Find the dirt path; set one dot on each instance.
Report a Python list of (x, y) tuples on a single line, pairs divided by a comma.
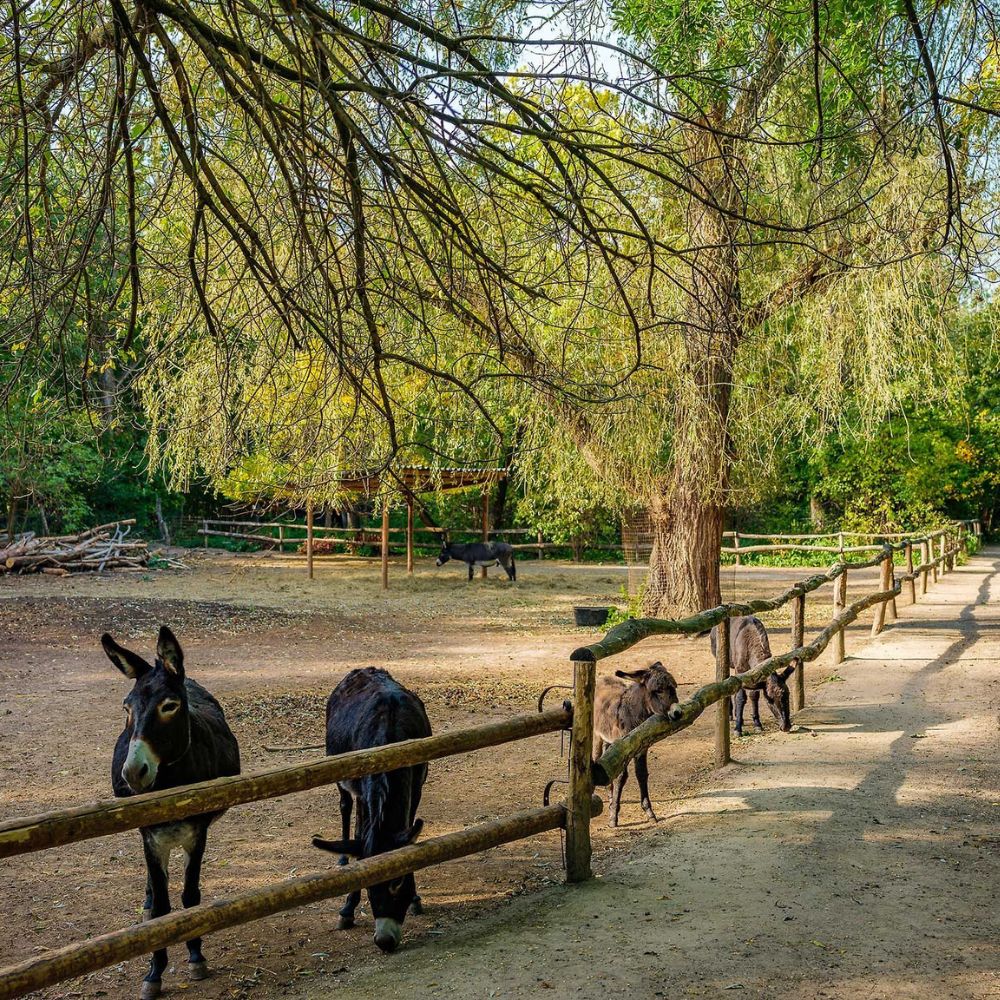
[(857, 859)]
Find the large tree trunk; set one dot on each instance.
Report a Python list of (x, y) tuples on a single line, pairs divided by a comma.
[(684, 564), (687, 507)]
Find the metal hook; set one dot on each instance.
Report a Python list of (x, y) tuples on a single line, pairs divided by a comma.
[(552, 687), (548, 788)]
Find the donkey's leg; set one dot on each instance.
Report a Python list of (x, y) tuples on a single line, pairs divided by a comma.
[(755, 708), (346, 805), (156, 866), (642, 776), (147, 906), (197, 967), (513, 569), (472, 567), (739, 701), (351, 903), (616, 797)]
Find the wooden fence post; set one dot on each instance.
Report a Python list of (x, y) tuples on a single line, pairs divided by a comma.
[(891, 611), (281, 538), (486, 525), (722, 756), (538, 540), (909, 569), (798, 638), (885, 568), (204, 525), (925, 557), (839, 603), (309, 537), (932, 557), (736, 545), (409, 535), (581, 782), (385, 545)]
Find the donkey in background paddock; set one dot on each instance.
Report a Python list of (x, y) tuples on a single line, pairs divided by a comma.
[(749, 647), (618, 709), (480, 554), (175, 734), (369, 708)]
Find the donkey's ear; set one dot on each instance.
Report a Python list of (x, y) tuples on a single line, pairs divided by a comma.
[(132, 665), (409, 835), (633, 675), (352, 848), (787, 672), (169, 651)]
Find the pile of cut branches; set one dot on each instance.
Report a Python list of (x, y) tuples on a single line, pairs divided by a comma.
[(97, 549)]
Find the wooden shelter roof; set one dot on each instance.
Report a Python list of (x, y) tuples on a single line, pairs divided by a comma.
[(422, 479)]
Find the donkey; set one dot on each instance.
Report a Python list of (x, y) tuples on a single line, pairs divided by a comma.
[(618, 709), (748, 648), (480, 554), (369, 708), (175, 734)]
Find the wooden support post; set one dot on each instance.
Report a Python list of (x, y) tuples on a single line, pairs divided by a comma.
[(486, 525), (839, 603), (943, 548), (885, 569), (925, 558), (736, 545), (281, 538), (722, 756), (798, 638), (385, 545), (204, 525), (309, 537), (909, 569), (891, 611), (840, 544), (538, 540), (409, 536), (581, 782)]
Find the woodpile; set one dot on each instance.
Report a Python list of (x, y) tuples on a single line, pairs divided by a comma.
[(105, 547)]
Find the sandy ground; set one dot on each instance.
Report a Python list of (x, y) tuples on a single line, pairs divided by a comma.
[(855, 859), (271, 644)]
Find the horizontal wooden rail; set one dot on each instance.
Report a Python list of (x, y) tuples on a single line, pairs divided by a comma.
[(66, 826), (628, 633), (197, 921), (745, 550), (657, 728)]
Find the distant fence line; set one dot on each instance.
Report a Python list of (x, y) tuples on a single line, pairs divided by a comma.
[(937, 552)]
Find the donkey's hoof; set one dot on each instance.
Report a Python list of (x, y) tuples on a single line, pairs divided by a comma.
[(343, 860), (147, 914), (345, 923), (151, 989), (198, 970)]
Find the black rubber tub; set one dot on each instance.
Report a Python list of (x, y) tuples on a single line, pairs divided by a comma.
[(593, 617)]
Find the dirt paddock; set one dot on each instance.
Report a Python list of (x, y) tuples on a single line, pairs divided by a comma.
[(270, 644)]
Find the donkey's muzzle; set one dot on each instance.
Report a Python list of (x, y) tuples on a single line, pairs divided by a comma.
[(140, 767)]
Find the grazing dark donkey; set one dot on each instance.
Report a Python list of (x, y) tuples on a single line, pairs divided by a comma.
[(618, 709), (368, 708), (480, 554), (175, 734), (748, 648)]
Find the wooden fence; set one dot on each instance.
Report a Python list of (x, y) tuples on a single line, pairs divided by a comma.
[(937, 549), (65, 826)]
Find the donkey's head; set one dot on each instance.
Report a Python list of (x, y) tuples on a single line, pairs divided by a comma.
[(445, 553), (156, 709), (659, 689), (389, 900), (776, 696)]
